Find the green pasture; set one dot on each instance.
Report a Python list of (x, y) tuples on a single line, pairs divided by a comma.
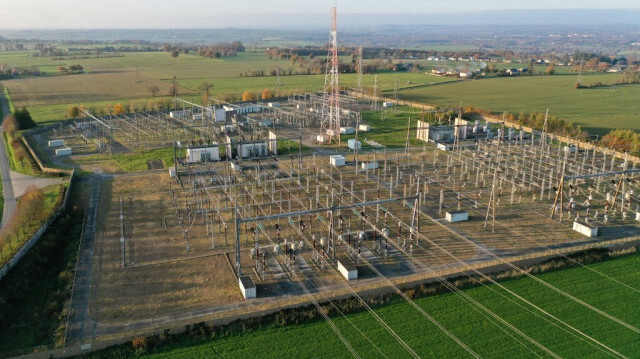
[(597, 109), (489, 340)]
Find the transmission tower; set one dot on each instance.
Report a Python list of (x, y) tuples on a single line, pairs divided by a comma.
[(375, 93), (331, 99), (360, 68)]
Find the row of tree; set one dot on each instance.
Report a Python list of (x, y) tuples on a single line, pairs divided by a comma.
[(73, 69), (623, 141), (17, 230), (253, 96), (217, 50), (120, 108)]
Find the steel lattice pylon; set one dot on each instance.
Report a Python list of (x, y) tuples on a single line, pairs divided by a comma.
[(331, 98)]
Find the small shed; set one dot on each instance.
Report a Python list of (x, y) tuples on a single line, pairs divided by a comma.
[(585, 229), (387, 104), (364, 128), (369, 165), (354, 144), (347, 130), (178, 114), (63, 151), (274, 104), (56, 143), (236, 166), (247, 287), (348, 270), (337, 160), (172, 172), (457, 216), (320, 138), (444, 147)]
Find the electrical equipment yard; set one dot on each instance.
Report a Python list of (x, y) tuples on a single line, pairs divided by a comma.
[(167, 244)]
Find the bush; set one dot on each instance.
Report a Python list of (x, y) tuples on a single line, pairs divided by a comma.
[(10, 125), (139, 342)]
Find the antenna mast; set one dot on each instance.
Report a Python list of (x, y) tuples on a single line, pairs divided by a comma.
[(331, 99)]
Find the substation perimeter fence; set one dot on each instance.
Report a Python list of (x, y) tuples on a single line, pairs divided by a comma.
[(253, 311), (43, 167)]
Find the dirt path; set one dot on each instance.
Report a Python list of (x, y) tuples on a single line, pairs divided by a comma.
[(81, 325)]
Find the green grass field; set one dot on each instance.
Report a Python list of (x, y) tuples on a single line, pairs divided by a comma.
[(388, 127), (598, 109), (316, 340), (125, 79)]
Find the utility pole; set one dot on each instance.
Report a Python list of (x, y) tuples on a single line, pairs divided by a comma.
[(395, 90)]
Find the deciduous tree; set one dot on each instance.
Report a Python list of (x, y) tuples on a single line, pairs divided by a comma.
[(248, 96), (154, 90), (118, 109), (74, 112), (550, 70), (266, 94)]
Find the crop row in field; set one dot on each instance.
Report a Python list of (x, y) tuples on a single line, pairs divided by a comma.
[(316, 340)]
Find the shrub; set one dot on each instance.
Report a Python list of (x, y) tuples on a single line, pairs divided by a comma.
[(10, 125), (139, 342)]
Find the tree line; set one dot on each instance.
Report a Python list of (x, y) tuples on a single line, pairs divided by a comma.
[(216, 50), (30, 212)]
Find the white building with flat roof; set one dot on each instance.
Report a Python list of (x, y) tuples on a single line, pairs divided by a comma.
[(206, 153)]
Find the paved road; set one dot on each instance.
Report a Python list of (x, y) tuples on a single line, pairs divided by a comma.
[(7, 187)]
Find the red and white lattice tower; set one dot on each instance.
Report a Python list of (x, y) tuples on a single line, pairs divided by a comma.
[(331, 98)]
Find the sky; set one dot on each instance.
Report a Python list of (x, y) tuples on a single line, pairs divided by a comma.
[(133, 14)]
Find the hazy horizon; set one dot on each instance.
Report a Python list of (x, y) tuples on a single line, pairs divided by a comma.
[(291, 14)]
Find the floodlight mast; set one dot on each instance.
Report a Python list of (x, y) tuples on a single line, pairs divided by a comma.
[(330, 123)]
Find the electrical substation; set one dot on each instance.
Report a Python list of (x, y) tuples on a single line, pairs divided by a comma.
[(262, 207)]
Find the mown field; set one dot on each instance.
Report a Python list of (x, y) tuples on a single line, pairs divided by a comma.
[(85, 88), (388, 127), (597, 109), (317, 340)]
